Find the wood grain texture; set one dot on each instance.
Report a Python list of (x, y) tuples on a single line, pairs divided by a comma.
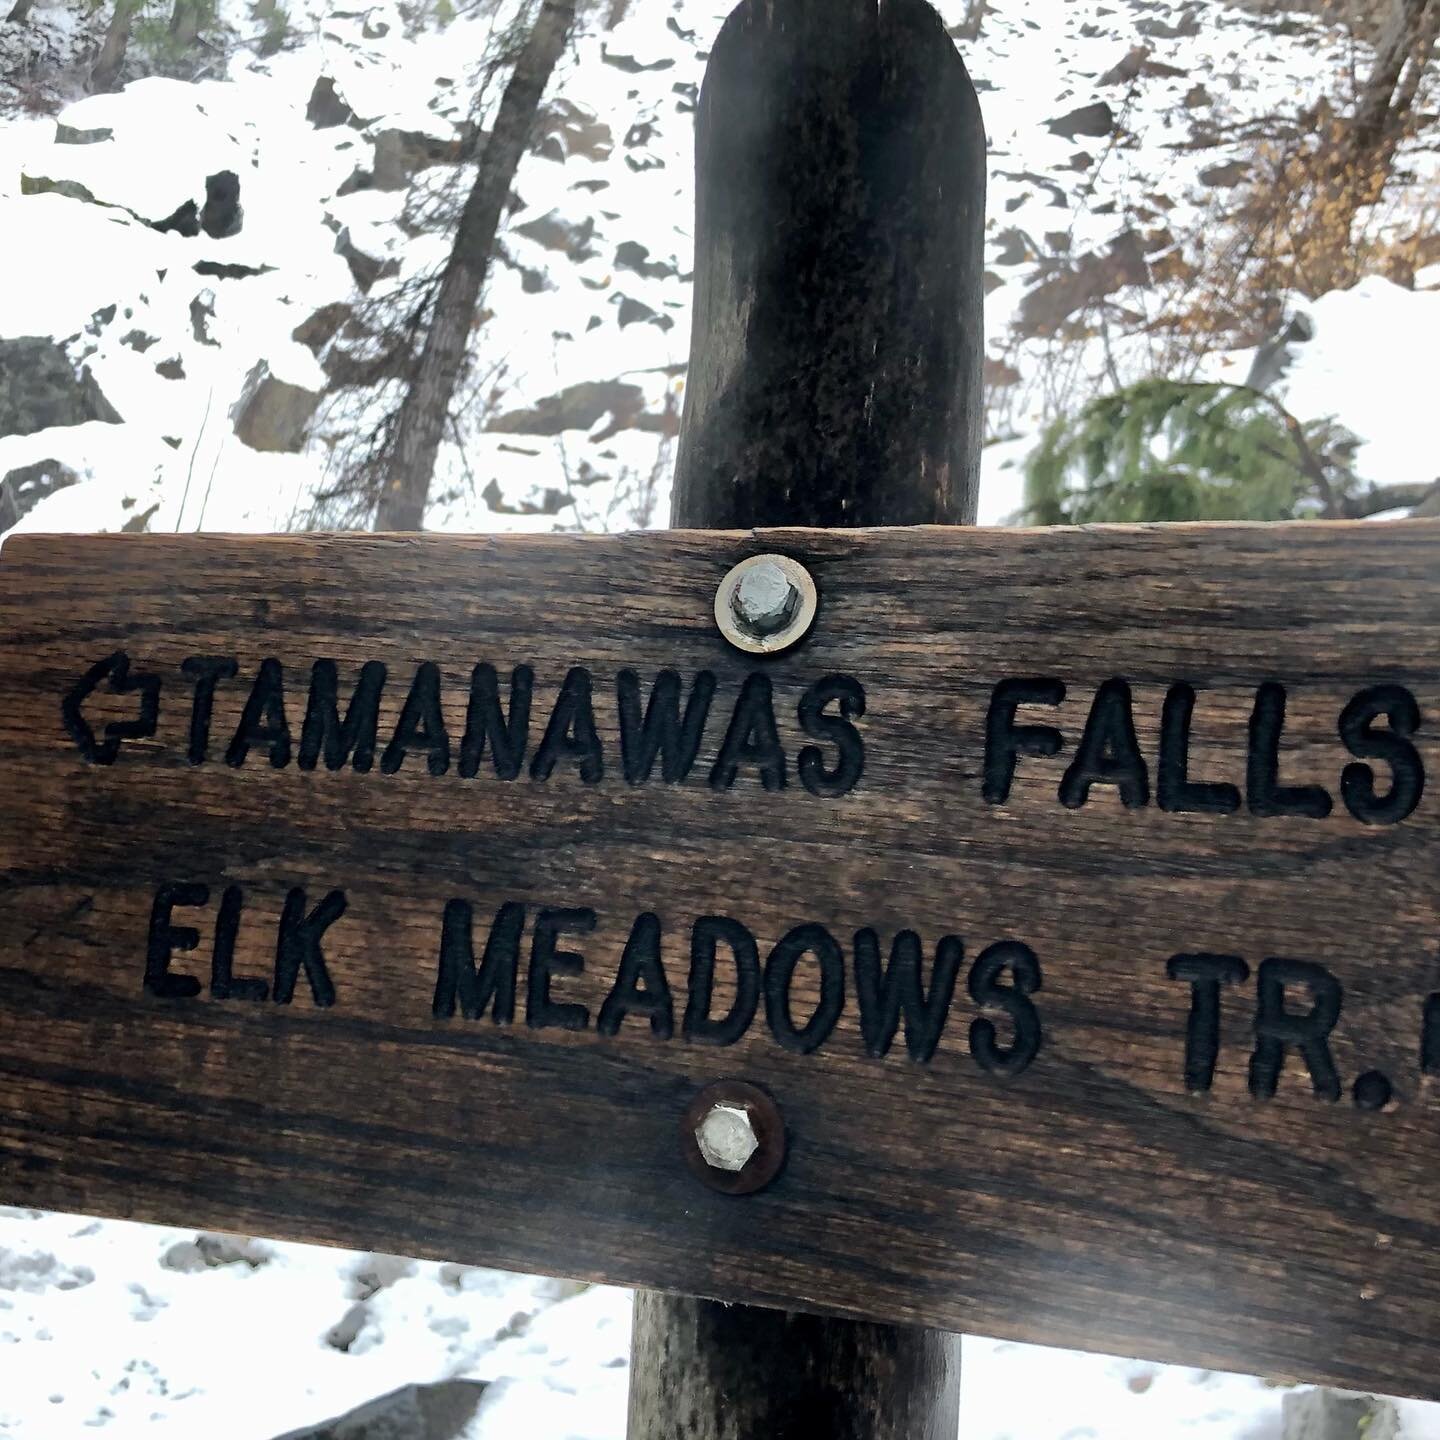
[(697, 1363), (836, 355), (837, 346), (1090, 1199)]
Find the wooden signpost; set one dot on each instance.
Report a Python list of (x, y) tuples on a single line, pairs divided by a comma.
[(407, 892), (1034, 933)]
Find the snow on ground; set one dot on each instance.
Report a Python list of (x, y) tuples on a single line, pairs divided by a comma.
[(1386, 399), (138, 1331)]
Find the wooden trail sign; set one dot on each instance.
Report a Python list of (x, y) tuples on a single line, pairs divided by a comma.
[(1073, 894)]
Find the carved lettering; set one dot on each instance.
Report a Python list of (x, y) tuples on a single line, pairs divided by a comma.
[(1013, 1001), (1206, 975), (299, 947), (262, 723), (1278, 1028), (848, 697), (351, 740), (1006, 742), (571, 733), (492, 987), (115, 669), (884, 996), (641, 987), (707, 935), (752, 738), (547, 961)]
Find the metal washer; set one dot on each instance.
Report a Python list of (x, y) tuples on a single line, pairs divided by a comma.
[(793, 632)]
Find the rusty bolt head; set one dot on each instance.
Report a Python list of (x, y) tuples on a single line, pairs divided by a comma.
[(733, 1137)]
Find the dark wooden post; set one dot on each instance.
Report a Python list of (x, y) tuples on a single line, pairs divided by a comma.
[(834, 380), (836, 358)]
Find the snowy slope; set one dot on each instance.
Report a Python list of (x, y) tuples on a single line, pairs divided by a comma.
[(596, 292), (128, 1331)]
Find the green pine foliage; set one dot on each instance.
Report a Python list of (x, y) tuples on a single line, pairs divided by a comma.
[(1165, 450)]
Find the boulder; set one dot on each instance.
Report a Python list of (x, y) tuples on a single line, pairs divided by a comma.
[(565, 129), (577, 407), (1095, 120), (570, 238), (1274, 358), (40, 388), (220, 217), (73, 135), (1226, 176), (183, 220), (202, 312), (273, 414), (1186, 28), (321, 328), (636, 312), (630, 65), (1072, 287), (1337, 1415), (400, 155), (365, 269), (212, 1252), (444, 1411), (1140, 64), (631, 255), (44, 185), (218, 270), (23, 489), (1015, 247), (222, 214), (548, 501), (328, 107)]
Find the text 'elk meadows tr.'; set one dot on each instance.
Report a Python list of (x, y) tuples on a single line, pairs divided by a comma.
[(1058, 962)]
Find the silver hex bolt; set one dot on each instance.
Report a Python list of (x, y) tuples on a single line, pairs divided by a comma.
[(765, 600), (727, 1138), (732, 1136), (766, 604)]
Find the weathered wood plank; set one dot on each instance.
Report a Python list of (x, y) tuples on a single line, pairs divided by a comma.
[(1090, 1197)]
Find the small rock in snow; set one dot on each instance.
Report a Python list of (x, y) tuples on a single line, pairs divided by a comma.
[(415, 1412), (39, 388), (272, 414), (1095, 120), (23, 489)]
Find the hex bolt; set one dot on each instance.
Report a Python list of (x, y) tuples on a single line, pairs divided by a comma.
[(733, 1137), (766, 604), (726, 1138), (765, 601)]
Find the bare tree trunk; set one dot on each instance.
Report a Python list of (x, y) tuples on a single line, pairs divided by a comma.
[(18, 12), (185, 22), (111, 59), (1403, 52), (974, 22), (421, 422), (1427, 38)]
